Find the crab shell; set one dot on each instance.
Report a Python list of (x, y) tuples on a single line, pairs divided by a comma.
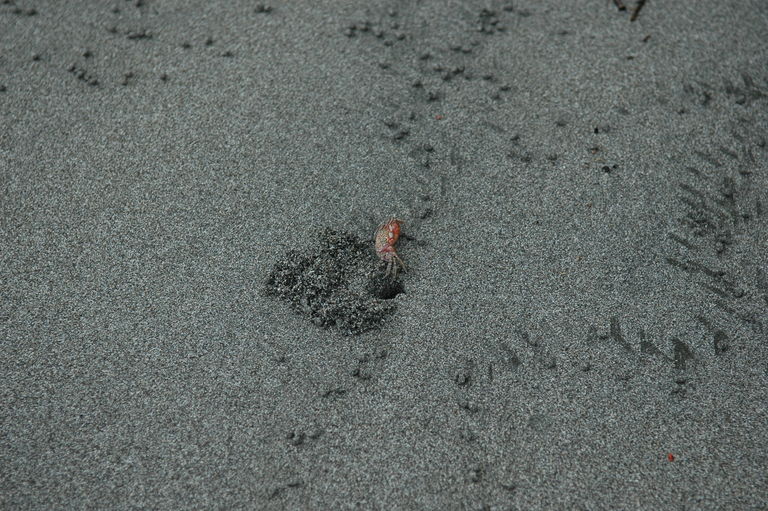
[(384, 240)]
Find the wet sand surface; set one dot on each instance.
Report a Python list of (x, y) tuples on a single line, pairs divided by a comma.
[(192, 314)]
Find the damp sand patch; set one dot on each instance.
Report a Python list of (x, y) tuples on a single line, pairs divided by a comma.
[(336, 283)]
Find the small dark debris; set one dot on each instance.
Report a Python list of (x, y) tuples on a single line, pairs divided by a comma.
[(36, 57), (209, 41), (164, 77), (265, 9), (361, 373), (476, 474), (720, 342), (186, 45), (3, 88), (462, 378), (451, 73), (638, 8), (488, 22), (23, 12), (523, 157), (83, 75), (337, 392), (295, 438), (228, 54), (136, 35), (679, 391), (682, 354)]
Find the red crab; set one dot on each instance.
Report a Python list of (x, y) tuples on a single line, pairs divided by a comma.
[(384, 240)]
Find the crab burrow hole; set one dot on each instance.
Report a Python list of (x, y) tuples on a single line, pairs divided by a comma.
[(384, 287)]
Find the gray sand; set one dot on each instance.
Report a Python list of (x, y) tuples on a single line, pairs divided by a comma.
[(585, 202)]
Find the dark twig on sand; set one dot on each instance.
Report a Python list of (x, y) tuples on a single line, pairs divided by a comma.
[(620, 5), (636, 12)]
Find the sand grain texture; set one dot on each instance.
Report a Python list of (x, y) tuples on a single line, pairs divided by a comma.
[(585, 202)]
